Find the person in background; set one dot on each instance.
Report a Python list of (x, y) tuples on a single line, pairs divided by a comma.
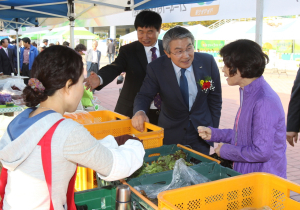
[(13, 47), (6, 58), (92, 58), (51, 44), (57, 86), (66, 44), (185, 105), (293, 116), (57, 43), (133, 59), (81, 49), (45, 43), (257, 142), (34, 44), (27, 56), (110, 51)]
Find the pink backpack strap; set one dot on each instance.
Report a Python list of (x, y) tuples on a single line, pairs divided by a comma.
[(3, 182)]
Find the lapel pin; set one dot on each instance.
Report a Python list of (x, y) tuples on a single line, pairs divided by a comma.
[(200, 67)]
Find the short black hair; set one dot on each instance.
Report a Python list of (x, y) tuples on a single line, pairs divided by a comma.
[(66, 44), (45, 40), (13, 42), (148, 18), (80, 48), (2, 41), (26, 40), (246, 56)]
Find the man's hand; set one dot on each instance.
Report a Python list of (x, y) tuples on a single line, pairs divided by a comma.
[(138, 120), (292, 137), (92, 81), (204, 132), (218, 149)]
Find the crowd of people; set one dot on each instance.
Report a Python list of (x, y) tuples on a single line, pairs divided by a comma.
[(167, 83)]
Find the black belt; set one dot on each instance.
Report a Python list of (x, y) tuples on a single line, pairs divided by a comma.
[(94, 63), (25, 63)]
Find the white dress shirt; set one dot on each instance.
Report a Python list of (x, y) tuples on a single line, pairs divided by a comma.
[(95, 57), (189, 73), (5, 50)]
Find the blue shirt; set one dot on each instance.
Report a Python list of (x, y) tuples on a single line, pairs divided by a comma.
[(189, 73)]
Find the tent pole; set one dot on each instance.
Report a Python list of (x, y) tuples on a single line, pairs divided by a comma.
[(259, 21), (18, 56), (72, 21)]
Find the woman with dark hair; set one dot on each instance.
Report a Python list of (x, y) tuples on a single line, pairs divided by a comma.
[(257, 141), (81, 49), (41, 150)]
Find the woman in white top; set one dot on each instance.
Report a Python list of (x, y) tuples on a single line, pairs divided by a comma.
[(57, 85)]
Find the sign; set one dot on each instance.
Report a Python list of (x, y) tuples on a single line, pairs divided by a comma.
[(214, 45), (216, 10)]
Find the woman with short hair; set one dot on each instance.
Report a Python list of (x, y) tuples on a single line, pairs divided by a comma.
[(257, 143)]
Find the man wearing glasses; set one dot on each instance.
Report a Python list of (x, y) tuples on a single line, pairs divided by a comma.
[(187, 102)]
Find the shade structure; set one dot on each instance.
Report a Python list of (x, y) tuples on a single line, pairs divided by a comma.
[(289, 31), (132, 36), (64, 33), (35, 35)]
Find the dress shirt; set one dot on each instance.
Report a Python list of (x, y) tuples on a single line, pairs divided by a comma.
[(5, 50), (189, 73), (26, 55), (95, 57)]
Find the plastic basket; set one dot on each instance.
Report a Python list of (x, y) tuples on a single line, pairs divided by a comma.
[(252, 190), (152, 136), (95, 116), (212, 171), (100, 198)]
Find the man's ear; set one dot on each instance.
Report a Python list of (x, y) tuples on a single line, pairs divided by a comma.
[(169, 56)]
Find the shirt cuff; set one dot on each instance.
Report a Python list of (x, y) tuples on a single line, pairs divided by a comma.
[(101, 80), (140, 111)]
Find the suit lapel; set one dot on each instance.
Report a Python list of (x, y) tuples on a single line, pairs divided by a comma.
[(172, 80), (141, 55), (199, 73), (161, 48), (3, 52)]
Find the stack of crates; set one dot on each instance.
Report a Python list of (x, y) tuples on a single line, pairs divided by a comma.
[(106, 123)]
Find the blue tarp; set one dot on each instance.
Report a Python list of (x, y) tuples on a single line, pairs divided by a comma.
[(14, 14)]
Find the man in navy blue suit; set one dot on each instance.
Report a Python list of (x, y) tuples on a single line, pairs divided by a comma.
[(190, 89)]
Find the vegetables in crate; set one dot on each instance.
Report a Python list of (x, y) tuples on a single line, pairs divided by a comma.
[(164, 163)]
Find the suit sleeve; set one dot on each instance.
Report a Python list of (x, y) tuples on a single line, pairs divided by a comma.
[(147, 92), (1, 68), (15, 58), (293, 116), (215, 97), (109, 72)]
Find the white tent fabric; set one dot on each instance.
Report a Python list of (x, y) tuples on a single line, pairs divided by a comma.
[(132, 36)]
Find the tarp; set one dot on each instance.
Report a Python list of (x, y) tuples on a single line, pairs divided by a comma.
[(64, 33)]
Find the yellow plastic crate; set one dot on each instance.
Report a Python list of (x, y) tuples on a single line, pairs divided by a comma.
[(95, 117), (251, 190), (152, 137)]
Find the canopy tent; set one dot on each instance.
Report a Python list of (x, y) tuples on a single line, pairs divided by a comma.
[(289, 31), (132, 36), (63, 33), (35, 35)]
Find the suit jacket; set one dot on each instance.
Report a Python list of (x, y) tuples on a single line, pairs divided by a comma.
[(111, 48), (132, 59), (33, 53), (293, 116), (14, 48), (175, 115), (89, 58), (6, 63)]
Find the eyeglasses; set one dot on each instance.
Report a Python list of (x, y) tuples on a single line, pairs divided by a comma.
[(179, 53)]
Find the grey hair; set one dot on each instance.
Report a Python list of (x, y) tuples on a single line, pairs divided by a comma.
[(177, 32)]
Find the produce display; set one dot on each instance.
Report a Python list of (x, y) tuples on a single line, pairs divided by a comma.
[(164, 163)]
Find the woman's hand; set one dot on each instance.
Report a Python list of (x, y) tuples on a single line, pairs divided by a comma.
[(292, 137), (218, 149), (204, 132)]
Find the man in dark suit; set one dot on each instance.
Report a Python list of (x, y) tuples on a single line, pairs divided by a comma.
[(6, 58), (133, 59), (186, 101), (293, 116)]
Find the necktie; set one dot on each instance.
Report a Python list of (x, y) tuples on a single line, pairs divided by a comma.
[(157, 98), (184, 88)]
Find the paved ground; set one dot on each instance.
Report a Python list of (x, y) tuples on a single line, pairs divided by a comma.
[(282, 85)]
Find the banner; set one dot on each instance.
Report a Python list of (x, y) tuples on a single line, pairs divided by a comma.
[(216, 10)]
